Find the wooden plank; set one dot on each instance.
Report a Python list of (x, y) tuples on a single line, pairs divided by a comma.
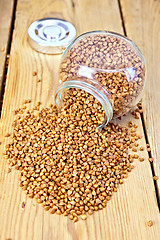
[(6, 12), (135, 202), (142, 20)]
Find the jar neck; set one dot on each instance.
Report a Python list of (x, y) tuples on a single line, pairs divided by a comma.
[(91, 86)]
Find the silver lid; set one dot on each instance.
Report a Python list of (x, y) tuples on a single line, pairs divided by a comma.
[(50, 35)]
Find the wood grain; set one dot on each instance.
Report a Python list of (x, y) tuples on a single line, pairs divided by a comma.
[(6, 12), (133, 205), (142, 22)]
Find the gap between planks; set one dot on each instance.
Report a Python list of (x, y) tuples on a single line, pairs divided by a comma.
[(142, 116), (6, 52)]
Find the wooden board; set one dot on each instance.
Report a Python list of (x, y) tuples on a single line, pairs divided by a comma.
[(6, 11), (133, 205), (142, 22)]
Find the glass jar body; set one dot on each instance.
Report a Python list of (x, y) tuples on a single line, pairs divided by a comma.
[(107, 65)]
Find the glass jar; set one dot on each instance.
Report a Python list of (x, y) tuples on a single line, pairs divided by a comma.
[(107, 65)]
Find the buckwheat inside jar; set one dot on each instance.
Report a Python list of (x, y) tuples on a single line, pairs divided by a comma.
[(110, 59)]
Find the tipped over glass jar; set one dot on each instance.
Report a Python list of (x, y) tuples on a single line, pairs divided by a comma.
[(107, 65)]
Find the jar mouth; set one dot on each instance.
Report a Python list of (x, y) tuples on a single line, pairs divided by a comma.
[(95, 89)]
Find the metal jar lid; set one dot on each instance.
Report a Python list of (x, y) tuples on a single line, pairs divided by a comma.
[(50, 35)]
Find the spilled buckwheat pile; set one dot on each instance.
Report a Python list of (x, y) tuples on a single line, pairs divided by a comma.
[(65, 162)]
